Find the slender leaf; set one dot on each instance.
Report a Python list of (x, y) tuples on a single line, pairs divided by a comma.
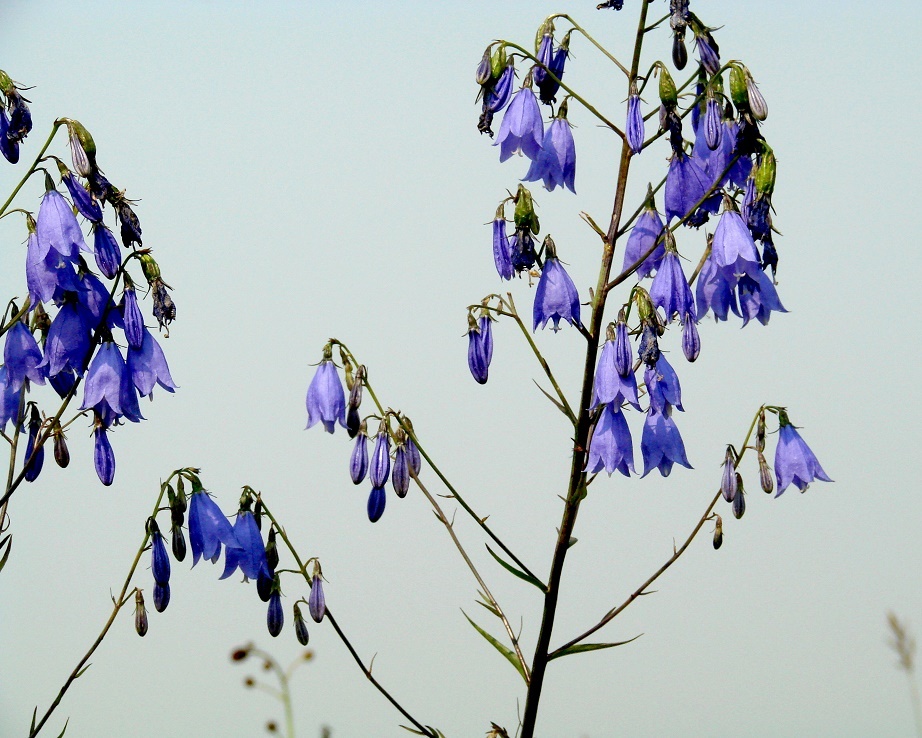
[(512, 570), (584, 647), (61, 734), (80, 673), (556, 403), (8, 542), (34, 714), (508, 653)]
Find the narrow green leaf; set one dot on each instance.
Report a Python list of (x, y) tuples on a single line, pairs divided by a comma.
[(80, 673), (61, 734), (519, 573), (34, 714), (583, 647), (556, 403), (8, 542), (508, 653), (414, 731)]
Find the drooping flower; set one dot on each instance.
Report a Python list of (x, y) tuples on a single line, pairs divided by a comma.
[(83, 200), (476, 352), (661, 444), (733, 249), (50, 275), (376, 502), (9, 399), (556, 162), (208, 528), (708, 51), (498, 96), (686, 185), (105, 379), (634, 128), (758, 297), (795, 463), (644, 235), (715, 292), (670, 290), (611, 447), (131, 316), (326, 398), (250, 558), (549, 86), (400, 475), (544, 55), (316, 602), (380, 467), (22, 356), (159, 559), (147, 366), (108, 256), (275, 615), (691, 341), (556, 297), (522, 250), (623, 359), (610, 387), (8, 147), (67, 345), (57, 227), (522, 129), (663, 386), (501, 250), (713, 127), (34, 456)]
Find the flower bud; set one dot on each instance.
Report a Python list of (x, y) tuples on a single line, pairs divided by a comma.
[(82, 148), (739, 501), (103, 456), (679, 52), (178, 543), (159, 560), (275, 616), (272, 550), (718, 533), (61, 453), (667, 89), (765, 173), (316, 601), (150, 267), (414, 459), (161, 596), (34, 457), (484, 71), (691, 341), (760, 432), (713, 127), (358, 461), (525, 216), (300, 627), (353, 422), (376, 501), (757, 104), (355, 392), (400, 477), (728, 487), (264, 587), (765, 475), (140, 614), (738, 92), (380, 466)]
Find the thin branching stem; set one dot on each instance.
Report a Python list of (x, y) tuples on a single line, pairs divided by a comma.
[(591, 40), (54, 129)]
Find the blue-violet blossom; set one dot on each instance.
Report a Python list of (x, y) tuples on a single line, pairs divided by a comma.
[(795, 463), (326, 398)]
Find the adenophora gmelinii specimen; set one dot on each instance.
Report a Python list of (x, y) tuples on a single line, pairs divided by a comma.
[(326, 398), (795, 462)]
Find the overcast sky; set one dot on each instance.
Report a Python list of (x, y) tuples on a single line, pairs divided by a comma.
[(308, 170)]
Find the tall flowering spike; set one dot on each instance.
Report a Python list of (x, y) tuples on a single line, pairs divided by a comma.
[(380, 467), (670, 290), (208, 528), (556, 162), (501, 249), (400, 476), (644, 235), (103, 456), (251, 557), (728, 485), (22, 356), (57, 226), (522, 129), (634, 128), (147, 366), (159, 559), (611, 447), (376, 502), (795, 463), (358, 462), (326, 398), (476, 352), (106, 248), (714, 291), (663, 386), (661, 444), (686, 185), (733, 249), (556, 297), (758, 298), (691, 341), (316, 601)]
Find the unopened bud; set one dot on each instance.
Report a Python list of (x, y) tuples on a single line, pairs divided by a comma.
[(150, 267), (679, 52), (738, 92), (272, 550), (498, 61), (140, 614), (757, 104), (161, 596), (668, 95), (240, 654), (760, 432), (316, 601), (728, 487), (525, 216), (765, 475), (61, 453), (484, 69), (178, 543), (766, 172), (739, 502), (275, 616), (300, 627), (718, 533)]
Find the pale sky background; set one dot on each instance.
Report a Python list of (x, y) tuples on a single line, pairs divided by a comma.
[(313, 169)]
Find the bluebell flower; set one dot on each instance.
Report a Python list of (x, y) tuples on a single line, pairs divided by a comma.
[(376, 502), (663, 386), (94, 297), (159, 559), (733, 249), (8, 147), (635, 124), (20, 116), (147, 366), (670, 290), (661, 444), (501, 251), (208, 528), (400, 475), (316, 602), (57, 227), (623, 359), (611, 447), (9, 399), (522, 250), (646, 231), (106, 248), (22, 356), (499, 94), (476, 352), (358, 461), (757, 105), (67, 345), (103, 456), (691, 341), (48, 276), (548, 87), (544, 55), (275, 615), (795, 463), (380, 466), (708, 52), (131, 316), (104, 380), (715, 291), (522, 129), (686, 185), (758, 297), (326, 398), (414, 458), (556, 297), (556, 162), (83, 200), (610, 386), (250, 558)]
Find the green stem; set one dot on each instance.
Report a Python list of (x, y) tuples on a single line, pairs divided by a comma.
[(591, 40)]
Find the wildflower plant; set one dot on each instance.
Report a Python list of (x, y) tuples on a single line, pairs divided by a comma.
[(700, 242)]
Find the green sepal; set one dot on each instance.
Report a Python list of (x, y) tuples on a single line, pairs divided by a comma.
[(510, 656), (765, 173), (517, 572), (6, 84), (525, 216), (498, 61), (668, 95), (738, 92), (584, 647), (76, 128)]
